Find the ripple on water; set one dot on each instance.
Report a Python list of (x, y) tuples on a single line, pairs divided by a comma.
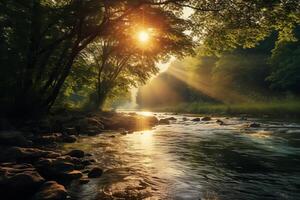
[(190, 160)]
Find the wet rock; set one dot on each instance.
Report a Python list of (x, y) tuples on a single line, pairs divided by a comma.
[(48, 138), (124, 132), (58, 165), (205, 118), (14, 138), (53, 155), (51, 190), (71, 131), (76, 153), (70, 159), (184, 119), (75, 174), (52, 166), (84, 180), (164, 121), (220, 122), (128, 122), (18, 181), (95, 172), (57, 169), (196, 119), (171, 118), (69, 139), (90, 125), (243, 118), (23, 154), (254, 125)]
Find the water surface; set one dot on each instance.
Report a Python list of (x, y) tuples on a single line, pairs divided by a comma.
[(196, 160)]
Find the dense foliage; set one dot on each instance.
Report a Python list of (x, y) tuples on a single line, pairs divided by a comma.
[(266, 72)]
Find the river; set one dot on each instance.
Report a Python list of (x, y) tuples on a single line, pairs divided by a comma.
[(195, 160)]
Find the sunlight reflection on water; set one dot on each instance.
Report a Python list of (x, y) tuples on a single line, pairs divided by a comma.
[(193, 160)]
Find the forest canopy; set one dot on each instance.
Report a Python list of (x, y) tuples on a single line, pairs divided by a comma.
[(50, 48)]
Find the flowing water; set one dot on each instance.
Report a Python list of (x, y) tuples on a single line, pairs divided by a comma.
[(196, 160)]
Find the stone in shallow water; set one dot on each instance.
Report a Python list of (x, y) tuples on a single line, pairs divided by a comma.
[(164, 121), (75, 174), (84, 180), (196, 119), (18, 181), (69, 139), (206, 119), (95, 172), (254, 125), (220, 122), (51, 190), (76, 153)]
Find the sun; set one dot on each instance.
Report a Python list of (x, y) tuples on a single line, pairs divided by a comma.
[(143, 36)]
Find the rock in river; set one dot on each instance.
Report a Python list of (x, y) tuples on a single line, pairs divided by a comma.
[(58, 169), (196, 119), (205, 118), (19, 181), (164, 121), (76, 153), (220, 122), (69, 138), (95, 172), (51, 190), (254, 125)]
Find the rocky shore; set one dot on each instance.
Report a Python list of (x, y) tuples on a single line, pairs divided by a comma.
[(32, 166)]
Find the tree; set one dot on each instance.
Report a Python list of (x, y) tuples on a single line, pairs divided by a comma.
[(119, 61), (285, 62), (41, 39), (230, 24)]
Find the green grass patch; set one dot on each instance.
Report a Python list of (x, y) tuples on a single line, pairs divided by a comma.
[(273, 109)]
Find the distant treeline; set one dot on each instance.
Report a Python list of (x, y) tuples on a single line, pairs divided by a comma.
[(269, 71)]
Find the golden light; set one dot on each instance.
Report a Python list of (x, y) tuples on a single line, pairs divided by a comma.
[(143, 36)]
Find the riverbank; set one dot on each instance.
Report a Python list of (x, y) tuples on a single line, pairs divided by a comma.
[(32, 166), (284, 109)]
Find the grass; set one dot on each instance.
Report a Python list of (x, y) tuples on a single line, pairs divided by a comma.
[(280, 109)]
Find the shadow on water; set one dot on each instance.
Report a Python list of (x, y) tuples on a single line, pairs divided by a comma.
[(196, 160)]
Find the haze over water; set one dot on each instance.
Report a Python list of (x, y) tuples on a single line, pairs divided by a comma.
[(196, 160)]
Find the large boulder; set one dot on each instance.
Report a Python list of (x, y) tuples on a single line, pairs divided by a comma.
[(14, 138), (51, 190), (18, 181)]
